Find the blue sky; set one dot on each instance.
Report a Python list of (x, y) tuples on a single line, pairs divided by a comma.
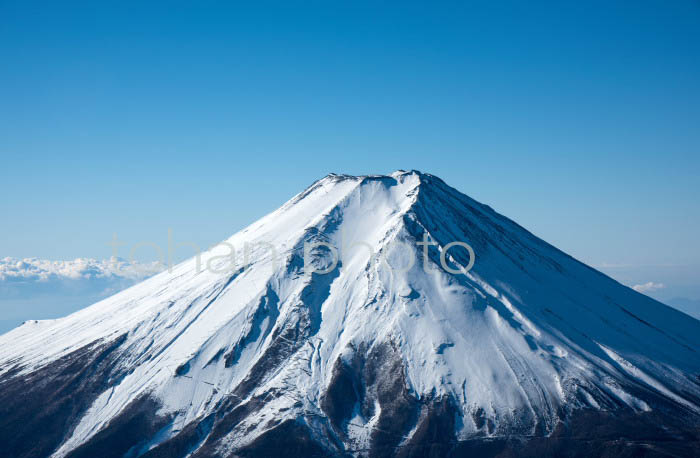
[(579, 120)]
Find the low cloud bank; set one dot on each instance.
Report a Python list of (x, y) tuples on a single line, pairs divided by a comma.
[(648, 287), (33, 288), (30, 270)]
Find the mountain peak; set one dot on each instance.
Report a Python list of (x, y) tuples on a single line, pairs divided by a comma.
[(400, 173), (347, 321)]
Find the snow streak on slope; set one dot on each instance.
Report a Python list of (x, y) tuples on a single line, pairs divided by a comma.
[(366, 354)]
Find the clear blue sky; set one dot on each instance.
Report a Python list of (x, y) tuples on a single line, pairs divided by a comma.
[(578, 119)]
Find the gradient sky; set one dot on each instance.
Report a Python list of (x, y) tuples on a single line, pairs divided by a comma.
[(579, 120)]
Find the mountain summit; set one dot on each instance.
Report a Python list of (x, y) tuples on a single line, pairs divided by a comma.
[(368, 316)]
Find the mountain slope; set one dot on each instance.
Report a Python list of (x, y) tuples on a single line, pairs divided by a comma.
[(374, 357)]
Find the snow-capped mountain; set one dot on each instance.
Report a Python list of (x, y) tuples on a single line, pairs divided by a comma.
[(385, 352)]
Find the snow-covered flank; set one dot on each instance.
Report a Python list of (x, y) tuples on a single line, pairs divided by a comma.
[(526, 334)]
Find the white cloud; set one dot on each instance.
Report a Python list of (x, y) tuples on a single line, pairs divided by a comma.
[(648, 287), (30, 277), (42, 270), (34, 288)]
